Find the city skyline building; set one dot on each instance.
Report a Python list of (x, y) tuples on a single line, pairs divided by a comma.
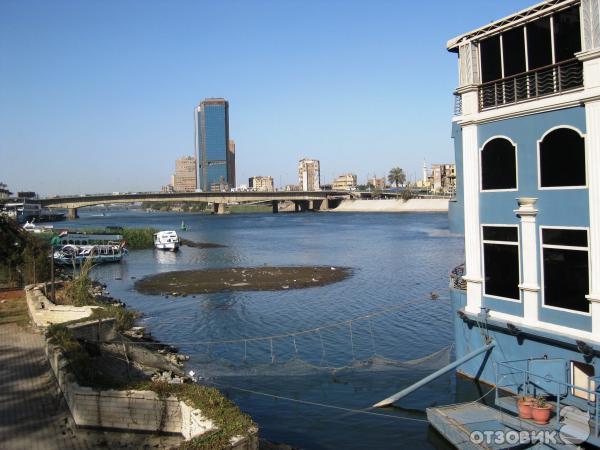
[(214, 153), (345, 182), (231, 162), (442, 179), (261, 184), (309, 174), (184, 179)]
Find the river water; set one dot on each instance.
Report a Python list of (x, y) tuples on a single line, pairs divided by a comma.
[(398, 261)]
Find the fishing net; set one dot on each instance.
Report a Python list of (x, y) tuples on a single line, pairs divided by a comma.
[(208, 366)]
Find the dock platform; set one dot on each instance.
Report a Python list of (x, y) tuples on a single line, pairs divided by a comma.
[(464, 425)]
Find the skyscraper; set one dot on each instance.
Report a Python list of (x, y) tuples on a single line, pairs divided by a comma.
[(215, 160)]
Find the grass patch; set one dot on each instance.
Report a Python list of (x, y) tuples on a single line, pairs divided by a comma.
[(77, 293), (139, 238), (14, 310), (223, 412)]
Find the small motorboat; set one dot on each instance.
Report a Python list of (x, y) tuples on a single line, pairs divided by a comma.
[(166, 240)]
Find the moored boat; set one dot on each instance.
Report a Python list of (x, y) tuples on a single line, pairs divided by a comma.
[(76, 254), (166, 240)]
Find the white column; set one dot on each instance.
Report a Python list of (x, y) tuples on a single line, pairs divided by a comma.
[(529, 284), (592, 144), (471, 205)]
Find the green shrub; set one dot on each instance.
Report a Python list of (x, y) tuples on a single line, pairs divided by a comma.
[(223, 412), (139, 238)]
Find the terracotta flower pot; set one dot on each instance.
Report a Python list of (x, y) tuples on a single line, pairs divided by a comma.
[(525, 409), (541, 415)]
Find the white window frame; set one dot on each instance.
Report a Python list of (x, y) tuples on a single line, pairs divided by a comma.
[(539, 161), (514, 144), (563, 247), (517, 244)]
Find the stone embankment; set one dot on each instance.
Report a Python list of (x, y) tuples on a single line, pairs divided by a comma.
[(129, 410), (393, 205)]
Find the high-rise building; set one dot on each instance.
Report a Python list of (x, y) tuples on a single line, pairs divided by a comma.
[(184, 179), (213, 149), (345, 182), (231, 162), (261, 184), (309, 174)]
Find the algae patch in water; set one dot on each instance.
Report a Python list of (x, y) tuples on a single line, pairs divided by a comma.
[(240, 279)]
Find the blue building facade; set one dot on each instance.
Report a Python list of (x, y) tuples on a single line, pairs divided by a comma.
[(213, 153), (527, 144)]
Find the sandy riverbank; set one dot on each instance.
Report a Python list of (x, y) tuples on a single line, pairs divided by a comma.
[(412, 205), (240, 279)]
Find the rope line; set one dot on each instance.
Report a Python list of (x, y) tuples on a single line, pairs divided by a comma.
[(323, 405)]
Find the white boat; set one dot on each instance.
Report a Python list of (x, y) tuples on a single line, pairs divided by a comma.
[(33, 228), (166, 240), (69, 254)]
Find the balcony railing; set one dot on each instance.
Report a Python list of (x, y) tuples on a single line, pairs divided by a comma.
[(456, 278), (547, 80), (519, 377), (457, 104)]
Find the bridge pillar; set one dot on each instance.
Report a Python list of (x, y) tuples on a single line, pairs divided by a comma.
[(275, 204), (72, 213), (324, 206), (218, 208), (297, 207), (311, 205)]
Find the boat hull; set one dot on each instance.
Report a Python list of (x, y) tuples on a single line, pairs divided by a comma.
[(169, 246)]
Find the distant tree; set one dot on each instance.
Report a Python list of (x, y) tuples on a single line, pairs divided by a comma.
[(396, 176)]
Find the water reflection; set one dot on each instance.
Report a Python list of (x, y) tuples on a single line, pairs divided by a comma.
[(162, 257)]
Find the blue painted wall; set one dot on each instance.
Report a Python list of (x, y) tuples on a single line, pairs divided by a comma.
[(568, 207), (508, 348)]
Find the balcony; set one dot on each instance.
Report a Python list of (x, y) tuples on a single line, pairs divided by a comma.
[(548, 80)]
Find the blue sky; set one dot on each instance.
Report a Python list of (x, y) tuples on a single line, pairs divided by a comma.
[(98, 96)]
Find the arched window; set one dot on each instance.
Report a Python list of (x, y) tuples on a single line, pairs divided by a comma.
[(498, 165), (562, 159)]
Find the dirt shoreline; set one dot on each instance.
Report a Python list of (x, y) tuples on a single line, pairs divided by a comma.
[(189, 243), (188, 282)]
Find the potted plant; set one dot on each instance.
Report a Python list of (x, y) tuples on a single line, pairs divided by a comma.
[(525, 404), (540, 411)]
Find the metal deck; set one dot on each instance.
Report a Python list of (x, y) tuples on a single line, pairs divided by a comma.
[(458, 422)]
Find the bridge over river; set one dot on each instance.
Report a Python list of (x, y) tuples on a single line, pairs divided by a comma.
[(303, 200)]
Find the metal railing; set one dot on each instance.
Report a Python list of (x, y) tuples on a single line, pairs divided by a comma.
[(540, 82), (457, 104), (523, 381), (456, 278)]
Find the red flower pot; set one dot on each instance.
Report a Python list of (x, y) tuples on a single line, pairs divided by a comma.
[(541, 415), (525, 409)]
